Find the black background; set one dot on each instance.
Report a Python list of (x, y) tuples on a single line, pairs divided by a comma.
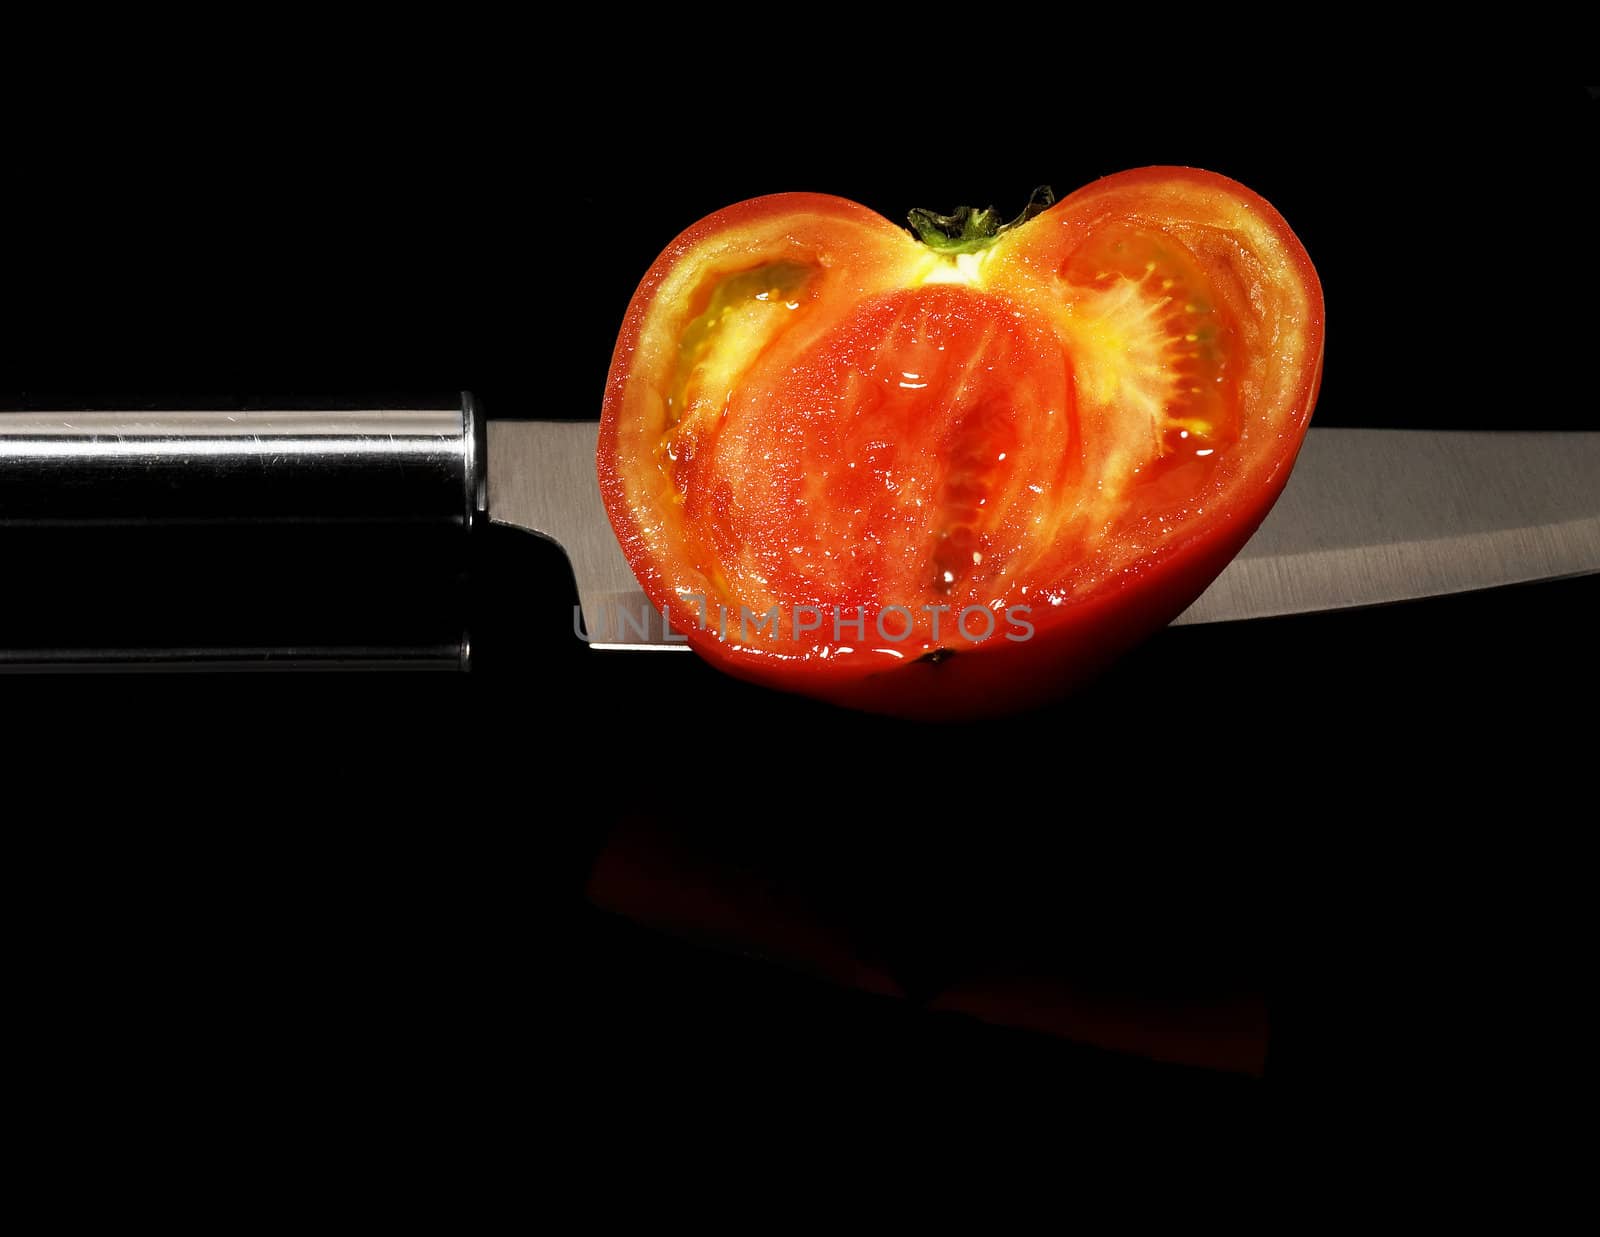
[(359, 899)]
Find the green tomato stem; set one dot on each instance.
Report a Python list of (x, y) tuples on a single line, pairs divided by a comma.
[(968, 229)]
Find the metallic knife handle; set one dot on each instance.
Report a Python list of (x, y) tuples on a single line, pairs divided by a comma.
[(306, 538), (393, 465)]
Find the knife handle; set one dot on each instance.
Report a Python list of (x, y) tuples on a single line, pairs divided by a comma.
[(238, 540)]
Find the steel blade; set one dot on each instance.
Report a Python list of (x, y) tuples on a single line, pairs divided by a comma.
[(1376, 516), (542, 478), (1368, 517)]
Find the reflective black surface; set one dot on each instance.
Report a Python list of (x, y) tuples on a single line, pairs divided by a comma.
[(1363, 822)]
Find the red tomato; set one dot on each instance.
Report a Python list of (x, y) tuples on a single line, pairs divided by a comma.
[(953, 476)]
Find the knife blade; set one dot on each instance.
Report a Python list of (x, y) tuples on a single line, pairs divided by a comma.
[(1369, 517)]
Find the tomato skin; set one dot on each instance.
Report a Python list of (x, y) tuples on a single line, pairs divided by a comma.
[(699, 365)]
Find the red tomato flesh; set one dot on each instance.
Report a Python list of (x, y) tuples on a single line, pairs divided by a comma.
[(947, 485)]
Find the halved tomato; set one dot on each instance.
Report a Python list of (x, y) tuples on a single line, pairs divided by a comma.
[(953, 475)]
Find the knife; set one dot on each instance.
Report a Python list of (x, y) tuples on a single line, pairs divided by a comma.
[(367, 512)]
